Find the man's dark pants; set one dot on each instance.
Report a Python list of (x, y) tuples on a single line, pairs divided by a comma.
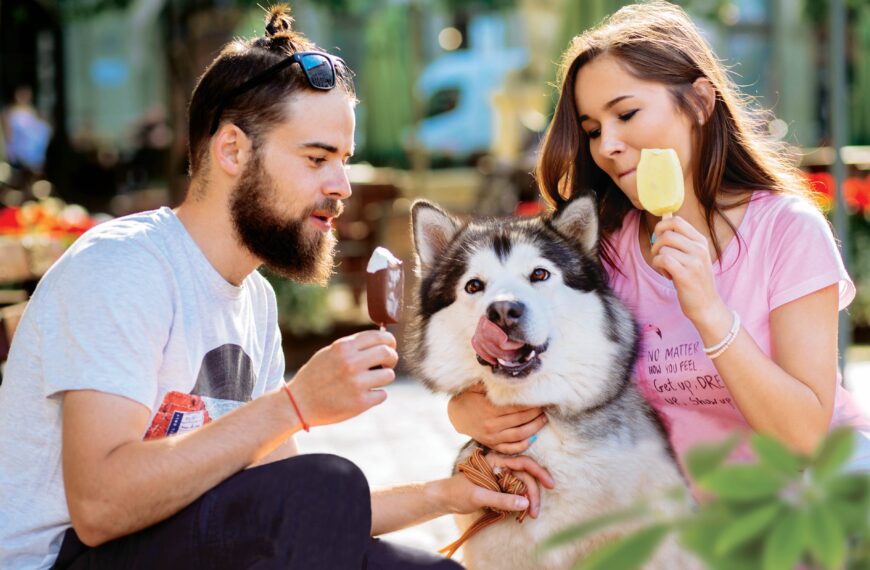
[(308, 512)]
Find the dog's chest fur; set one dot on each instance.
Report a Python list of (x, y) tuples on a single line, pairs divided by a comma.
[(593, 477)]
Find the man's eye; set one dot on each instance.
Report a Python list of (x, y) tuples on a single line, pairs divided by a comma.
[(539, 274), (317, 160), (474, 286)]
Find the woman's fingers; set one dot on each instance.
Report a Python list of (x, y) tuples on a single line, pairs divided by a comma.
[(525, 431), (673, 240), (528, 465), (529, 472), (533, 493), (512, 448)]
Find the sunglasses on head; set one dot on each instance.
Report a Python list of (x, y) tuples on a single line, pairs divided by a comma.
[(318, 67)]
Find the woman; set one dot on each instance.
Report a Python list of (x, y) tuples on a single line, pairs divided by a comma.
[(737, 295)]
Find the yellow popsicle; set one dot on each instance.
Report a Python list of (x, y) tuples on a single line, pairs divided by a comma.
[(660, 181)]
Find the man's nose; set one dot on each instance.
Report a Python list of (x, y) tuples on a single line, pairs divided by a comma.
[(338, 185)]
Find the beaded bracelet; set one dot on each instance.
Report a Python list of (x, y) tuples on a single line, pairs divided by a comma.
[(716, 350), (295, 407)]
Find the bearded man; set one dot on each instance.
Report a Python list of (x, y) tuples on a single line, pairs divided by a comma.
[(145, 421)]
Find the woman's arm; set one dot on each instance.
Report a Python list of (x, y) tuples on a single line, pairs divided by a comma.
[(789, 396)]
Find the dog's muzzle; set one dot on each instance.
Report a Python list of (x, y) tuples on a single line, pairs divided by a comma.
[(514, 357)]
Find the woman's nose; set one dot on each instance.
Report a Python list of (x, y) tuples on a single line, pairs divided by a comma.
[(611, 143)]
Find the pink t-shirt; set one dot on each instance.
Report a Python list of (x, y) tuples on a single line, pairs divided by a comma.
[(786, 251)]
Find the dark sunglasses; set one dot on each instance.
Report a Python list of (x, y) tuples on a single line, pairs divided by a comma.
[(318, 67)]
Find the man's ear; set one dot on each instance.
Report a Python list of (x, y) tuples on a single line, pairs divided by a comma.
[(433, 230), (577, 221), (231, 149), (706, 93)]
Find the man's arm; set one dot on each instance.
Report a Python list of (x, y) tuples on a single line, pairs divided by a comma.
[(117, 484), (286, 450), (408, 505)]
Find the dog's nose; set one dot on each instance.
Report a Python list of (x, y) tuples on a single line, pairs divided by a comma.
[(505, 313)]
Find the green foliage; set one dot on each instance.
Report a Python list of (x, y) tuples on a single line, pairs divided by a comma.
[(783, 510), (302, 309), (629, 552), (816, 11), (859, 267)]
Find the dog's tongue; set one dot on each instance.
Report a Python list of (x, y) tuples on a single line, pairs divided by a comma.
[(491, 343)]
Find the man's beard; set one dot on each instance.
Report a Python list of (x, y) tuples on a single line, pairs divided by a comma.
[(285, 245)]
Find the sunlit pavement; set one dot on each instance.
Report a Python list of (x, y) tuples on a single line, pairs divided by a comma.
[(857, 381), (409, 438)]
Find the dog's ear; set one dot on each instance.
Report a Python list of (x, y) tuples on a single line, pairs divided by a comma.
[(433, 229), (578, 221)]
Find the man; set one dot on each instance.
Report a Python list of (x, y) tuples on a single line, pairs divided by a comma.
[(158, 325)]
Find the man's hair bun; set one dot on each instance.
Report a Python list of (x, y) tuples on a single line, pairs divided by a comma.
[(278, 20)]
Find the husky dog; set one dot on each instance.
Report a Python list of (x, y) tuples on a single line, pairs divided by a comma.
[(522, 305)]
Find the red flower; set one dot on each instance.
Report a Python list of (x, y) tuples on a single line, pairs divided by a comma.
[(857, 193), (9, 223), (529, 208)]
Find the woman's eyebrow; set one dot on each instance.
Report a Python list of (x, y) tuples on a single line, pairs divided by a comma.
[(607, 106)]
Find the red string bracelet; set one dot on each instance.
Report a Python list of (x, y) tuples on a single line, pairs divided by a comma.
[(295, 407)]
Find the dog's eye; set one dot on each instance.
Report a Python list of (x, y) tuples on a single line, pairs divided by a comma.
[(474, 286), (539, 274)]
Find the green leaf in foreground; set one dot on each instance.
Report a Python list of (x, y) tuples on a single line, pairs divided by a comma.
[(747, 527), (742, 482), (784, 546), (701, 537), (775, 455), (703, 459), (833, 453), (591, 526), (827, 539), (627, 553)]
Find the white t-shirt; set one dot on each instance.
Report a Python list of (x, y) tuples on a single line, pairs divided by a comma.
[(134, 309)]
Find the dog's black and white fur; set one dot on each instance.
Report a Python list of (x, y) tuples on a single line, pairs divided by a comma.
[(603, 445)]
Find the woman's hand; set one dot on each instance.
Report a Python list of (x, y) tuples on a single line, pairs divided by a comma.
[(465, 497), (506, 429), (682, 254)]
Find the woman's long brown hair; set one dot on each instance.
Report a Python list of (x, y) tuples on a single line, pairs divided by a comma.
[(657, 41)]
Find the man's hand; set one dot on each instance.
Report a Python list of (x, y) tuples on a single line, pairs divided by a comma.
[(506, 429), (406, 505), (464, 497), (339, 381)]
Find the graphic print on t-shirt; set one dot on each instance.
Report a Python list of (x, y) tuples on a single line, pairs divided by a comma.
[(226, 381), (673, 375)]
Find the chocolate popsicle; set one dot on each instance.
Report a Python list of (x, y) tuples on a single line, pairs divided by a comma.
[(384, 287)]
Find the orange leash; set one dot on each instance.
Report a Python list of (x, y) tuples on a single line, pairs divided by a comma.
[(478, 472)]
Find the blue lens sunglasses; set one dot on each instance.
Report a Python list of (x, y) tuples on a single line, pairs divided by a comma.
[(318, 67)]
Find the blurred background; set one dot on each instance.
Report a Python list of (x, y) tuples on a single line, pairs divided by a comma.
[(454, 98), (455, 95)]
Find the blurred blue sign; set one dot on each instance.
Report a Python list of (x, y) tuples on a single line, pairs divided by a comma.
[(109, 72)]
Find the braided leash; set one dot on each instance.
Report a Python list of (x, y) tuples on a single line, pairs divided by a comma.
[(477, 470)]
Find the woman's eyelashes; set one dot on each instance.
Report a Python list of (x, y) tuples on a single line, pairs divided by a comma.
[(625, 117)]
